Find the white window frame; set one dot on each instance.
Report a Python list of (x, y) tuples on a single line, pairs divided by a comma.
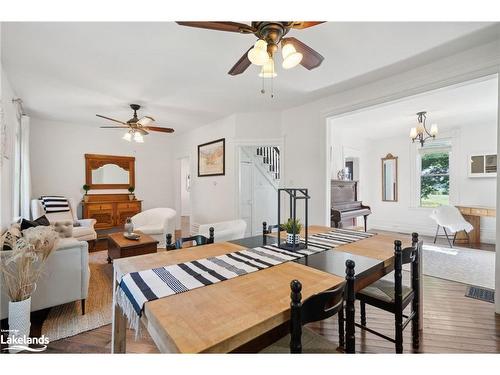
[(416, 168)]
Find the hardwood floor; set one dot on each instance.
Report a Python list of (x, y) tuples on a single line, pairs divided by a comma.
[(453, 323)]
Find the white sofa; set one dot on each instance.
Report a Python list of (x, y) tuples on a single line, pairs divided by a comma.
[(156, 222), (225, 230), (65, 277), (83, 232)]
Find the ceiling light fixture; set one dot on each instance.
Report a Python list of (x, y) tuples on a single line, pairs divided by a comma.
[(267, 70), (258, 54), (291, 57), (138, 137), (420, 132), (127, 136)]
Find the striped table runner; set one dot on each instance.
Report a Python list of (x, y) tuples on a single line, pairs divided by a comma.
[(137, 288)]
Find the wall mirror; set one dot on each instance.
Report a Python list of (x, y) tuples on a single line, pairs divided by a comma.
[(390, 178), (109, 171)]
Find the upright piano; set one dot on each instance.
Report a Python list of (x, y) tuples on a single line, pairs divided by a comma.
[(344, 203)]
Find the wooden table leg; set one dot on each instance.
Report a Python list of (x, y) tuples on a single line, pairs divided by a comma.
[(118, 338)]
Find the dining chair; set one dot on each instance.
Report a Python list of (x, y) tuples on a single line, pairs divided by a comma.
[(315, 308), (196, 240), (394, 297), (268, 229)]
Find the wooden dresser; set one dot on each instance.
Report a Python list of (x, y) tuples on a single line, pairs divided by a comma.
[(110, 210)]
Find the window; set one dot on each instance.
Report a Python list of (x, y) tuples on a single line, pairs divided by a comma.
[(434, 177)]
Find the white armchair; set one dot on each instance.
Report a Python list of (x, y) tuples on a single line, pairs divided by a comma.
[(449, 217), (225, 230), (64, 279), (82, 231), (156, 222)]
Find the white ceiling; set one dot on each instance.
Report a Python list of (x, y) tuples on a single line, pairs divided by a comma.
[(469, 104), (71, 71)]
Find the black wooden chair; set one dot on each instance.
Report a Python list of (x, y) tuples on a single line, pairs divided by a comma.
[(268, 229), (317, 307), (196, 240), (394, 297)]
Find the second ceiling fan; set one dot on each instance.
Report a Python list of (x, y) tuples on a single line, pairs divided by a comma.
[(270, 35)]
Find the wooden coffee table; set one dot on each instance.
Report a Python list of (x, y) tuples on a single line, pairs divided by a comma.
[(121, 247)]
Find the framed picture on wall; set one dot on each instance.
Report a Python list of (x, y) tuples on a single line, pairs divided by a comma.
[(212, 158)]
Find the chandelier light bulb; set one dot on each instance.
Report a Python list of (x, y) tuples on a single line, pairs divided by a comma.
[(413, 133), (291, 57), (258, 54), (434, 130)]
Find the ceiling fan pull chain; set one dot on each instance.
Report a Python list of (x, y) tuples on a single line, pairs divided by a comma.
[(272, 80)]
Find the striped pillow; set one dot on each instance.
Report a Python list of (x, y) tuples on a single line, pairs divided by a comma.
[(54, 203)]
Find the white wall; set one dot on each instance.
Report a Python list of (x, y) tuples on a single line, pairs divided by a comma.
[(215, 198), (9, 114), (58, 163), (404, 215)]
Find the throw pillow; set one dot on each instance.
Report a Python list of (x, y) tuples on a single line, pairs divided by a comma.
[(42, 220), (64, 229), (9, 238)]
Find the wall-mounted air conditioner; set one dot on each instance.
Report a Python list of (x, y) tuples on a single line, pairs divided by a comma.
[(483, 165)]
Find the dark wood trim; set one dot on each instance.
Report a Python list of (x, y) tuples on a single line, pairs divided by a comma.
[(223, 140), (93, 161)]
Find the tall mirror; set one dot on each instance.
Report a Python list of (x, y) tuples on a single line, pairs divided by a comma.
[(390, 178), (109, 171)]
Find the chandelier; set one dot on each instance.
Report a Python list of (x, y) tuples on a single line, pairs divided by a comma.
[(420, 132)]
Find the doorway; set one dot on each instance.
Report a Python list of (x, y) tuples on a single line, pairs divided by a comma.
[(184, 194), (259, 178)]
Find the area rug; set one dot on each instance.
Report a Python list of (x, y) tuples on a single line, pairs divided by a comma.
[(463, 265), (483, 294), (67, 320)]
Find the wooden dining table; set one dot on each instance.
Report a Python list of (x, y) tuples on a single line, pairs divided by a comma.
[(249, 312)]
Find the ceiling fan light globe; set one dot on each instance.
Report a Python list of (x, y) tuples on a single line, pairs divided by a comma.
[(292, 60), (127, 136), (145, 121), (290, 55), (267, 70), (138, 137), (258, 54)]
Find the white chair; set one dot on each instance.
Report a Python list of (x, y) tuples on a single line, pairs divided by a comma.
[(156, 222), (225, 230), (449, 217), (83, 229)]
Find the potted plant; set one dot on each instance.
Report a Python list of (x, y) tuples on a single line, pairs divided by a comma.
[(20, 269), (131, 190), (292, 228), (86, 189)]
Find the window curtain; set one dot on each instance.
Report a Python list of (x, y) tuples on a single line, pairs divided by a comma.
[(25, 176)]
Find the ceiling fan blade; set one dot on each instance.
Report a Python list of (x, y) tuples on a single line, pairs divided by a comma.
[(305, 24), (242, 64), (114, 127), (159, 129), (141, 130), (234, 27), (311, 59), (111, 119)]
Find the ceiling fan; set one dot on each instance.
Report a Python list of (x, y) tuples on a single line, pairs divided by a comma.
[(270, 34), (136, 127)]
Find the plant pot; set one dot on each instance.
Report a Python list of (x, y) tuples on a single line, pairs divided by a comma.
[(19, 322), (131, 197), (290, 239), (85, 198)]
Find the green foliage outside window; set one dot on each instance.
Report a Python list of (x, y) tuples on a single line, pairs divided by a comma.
[(435, 179)]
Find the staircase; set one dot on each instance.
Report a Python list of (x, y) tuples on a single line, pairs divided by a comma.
[(270, 156)]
